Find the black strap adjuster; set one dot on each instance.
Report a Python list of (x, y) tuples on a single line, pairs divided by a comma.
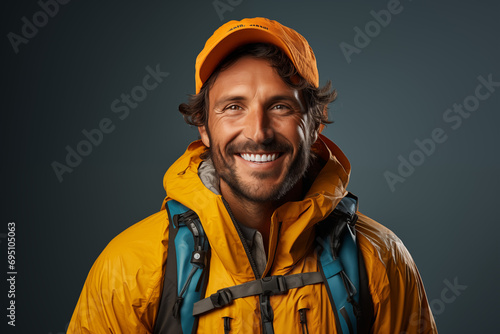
[(221, 298), (273, 285), (266, 286)]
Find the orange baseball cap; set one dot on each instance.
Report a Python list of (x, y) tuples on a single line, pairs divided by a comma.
[(256, 30)]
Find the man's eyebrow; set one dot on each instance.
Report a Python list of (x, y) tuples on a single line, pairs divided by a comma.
[(288, 98)]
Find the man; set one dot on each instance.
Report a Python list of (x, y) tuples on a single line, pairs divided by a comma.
[(260, 179)]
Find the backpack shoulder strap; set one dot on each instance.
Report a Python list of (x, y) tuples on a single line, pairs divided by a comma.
[(366, 318), (185, 271), (338, 259)]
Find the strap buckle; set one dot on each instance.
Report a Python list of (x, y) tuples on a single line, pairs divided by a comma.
[(273, 285), (221, 298)]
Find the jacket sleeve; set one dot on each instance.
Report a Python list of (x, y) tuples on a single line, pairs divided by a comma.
[(399, 299), (123, 288)]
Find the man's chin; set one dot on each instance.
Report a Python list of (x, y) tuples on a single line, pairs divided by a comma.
[(259, 191), (265, 178), (260, 196)]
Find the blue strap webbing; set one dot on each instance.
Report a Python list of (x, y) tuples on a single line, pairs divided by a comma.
[(342, 284), (184, 246)]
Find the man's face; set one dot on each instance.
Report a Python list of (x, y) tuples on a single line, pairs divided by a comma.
[(258, 131)]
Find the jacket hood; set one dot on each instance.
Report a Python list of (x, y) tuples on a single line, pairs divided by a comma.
[(291, 234)]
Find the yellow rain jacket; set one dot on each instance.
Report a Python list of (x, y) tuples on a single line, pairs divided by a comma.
[(123, 289)]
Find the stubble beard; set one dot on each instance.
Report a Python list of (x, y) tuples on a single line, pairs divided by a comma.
[(227, 172)]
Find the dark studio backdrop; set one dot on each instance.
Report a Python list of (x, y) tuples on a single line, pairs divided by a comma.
[(417, 115)]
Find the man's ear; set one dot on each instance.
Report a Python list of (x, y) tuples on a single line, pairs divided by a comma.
[(325, 112), (204, 135), (314, 136)]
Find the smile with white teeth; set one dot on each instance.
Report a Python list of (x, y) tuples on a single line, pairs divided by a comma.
[(259, 157)]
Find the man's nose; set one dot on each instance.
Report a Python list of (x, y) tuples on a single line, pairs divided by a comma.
[(258, 126)]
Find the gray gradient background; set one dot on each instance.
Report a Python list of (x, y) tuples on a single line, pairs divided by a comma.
[(395, 91)]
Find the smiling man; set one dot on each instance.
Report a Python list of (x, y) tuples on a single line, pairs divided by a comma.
[(260, 138), (257, 233)]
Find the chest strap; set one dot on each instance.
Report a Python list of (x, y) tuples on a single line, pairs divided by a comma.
[(269, 286)]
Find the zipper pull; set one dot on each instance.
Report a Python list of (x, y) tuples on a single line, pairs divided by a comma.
[(303, 320), (227, 325)]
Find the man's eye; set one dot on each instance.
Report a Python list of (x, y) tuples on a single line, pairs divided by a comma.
[(233, 107), (281, 107)]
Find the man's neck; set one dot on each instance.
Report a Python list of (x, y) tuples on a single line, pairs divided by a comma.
[(257, 215)]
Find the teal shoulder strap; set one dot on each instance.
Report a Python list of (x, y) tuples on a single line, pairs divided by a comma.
[(338, 260), (184, 282)]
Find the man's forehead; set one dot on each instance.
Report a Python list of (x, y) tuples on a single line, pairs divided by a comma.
[(243, 78)]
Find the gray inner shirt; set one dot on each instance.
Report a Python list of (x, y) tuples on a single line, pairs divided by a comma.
[(256, 243), (253, 238)]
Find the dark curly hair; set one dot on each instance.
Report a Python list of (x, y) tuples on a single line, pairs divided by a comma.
[(195, 112)]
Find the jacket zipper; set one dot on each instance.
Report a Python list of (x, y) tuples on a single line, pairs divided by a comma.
[(303, 320), (266, 312), (227, 325), (243, 242), (276, 247)]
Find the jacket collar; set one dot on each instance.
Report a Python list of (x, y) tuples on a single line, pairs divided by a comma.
[(292, 231)]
